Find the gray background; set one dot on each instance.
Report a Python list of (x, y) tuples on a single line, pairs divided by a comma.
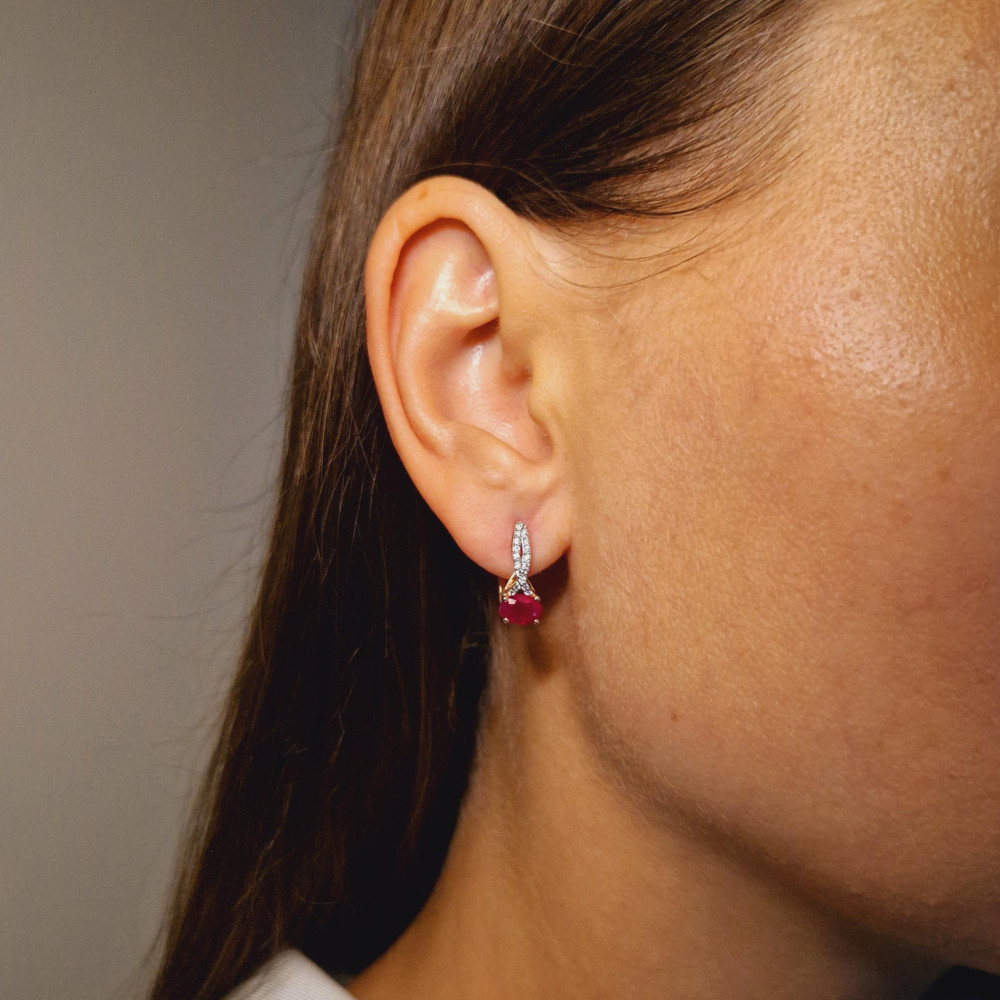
[(160, 163)]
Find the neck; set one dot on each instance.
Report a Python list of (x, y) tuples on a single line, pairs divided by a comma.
[(557, 885)]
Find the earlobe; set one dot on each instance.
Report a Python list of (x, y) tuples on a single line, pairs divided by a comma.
[(452, 339)]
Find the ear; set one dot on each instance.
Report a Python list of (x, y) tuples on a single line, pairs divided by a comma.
[(468, 385)]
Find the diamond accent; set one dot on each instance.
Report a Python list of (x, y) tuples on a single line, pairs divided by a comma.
[(519, 604), (521, 551)]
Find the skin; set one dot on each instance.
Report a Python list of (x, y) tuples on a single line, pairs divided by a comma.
[(751, 750)]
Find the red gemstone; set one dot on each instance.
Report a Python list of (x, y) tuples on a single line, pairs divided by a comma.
[(520, 609)]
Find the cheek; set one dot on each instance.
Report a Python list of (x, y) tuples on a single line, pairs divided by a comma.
[(792, 628), (792, 535), (791, 523)]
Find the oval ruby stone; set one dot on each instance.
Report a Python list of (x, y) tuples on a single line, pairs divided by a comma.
[(520, 609)]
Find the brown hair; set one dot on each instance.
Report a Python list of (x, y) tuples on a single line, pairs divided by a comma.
[(349, 733)]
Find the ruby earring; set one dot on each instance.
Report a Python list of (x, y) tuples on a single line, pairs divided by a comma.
[(519, 604)]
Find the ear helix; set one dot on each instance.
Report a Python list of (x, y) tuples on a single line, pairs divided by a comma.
[(519, 603)]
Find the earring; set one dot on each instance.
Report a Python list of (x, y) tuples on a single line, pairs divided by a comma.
[(519, 604)]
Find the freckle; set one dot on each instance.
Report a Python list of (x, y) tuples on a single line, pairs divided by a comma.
[(899, 513), (944, 473), (674, 716)]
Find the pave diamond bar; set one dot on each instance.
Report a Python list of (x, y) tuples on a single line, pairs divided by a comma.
[(519, 604), (521, 552)]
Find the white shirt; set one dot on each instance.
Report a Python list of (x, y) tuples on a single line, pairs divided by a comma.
[(290, 976)]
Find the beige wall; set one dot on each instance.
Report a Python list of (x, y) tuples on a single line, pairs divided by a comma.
[(159, 161)]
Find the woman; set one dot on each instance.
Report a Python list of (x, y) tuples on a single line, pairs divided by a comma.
[(698, 299)]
